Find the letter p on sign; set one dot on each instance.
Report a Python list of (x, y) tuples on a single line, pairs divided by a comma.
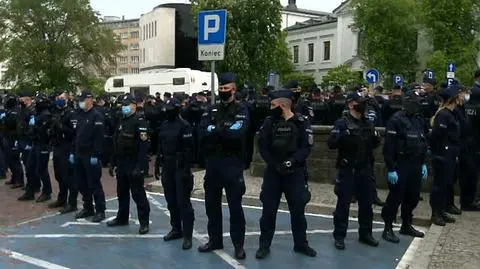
[(212, 25)]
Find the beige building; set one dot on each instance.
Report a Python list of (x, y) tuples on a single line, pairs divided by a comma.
[(128, 32)]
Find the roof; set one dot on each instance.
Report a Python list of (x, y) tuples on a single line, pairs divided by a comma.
[(341, 6), (311, 23), (306, 11)]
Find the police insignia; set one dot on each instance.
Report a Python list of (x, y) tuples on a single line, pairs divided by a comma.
[(310, 139), (143, 136)]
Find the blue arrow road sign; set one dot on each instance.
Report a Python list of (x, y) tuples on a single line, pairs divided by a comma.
[(398, 80), (212, 33), (372, 76), (451, 67)]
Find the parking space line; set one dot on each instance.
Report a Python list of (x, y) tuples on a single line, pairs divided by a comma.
[(31, 260), (220, 253)]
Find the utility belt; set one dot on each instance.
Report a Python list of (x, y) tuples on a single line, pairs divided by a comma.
[(352, 163)]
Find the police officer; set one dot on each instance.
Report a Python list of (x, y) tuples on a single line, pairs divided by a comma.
[(10, 143), (393, 104), (355, 138), (63, 135), (223, 130), (432, 98), (285, 141), (42, 124), (131, 149), (302, 104), (175, 153), (25, 133), (102, 106), (445, 147), (336, 104), (88, 148), (404, 152)]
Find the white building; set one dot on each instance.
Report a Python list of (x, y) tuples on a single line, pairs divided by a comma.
[(292, 15), (323, 43), (157, 40)]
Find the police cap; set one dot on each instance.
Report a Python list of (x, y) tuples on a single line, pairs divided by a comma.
[(268, 88), (355, 96), (227, 78), (25, 93), (171, 104), (430, 81), (128, 99), (282, 93), (452, 91), (85, 94)]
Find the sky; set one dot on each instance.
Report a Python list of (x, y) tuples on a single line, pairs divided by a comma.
[(134, 8)]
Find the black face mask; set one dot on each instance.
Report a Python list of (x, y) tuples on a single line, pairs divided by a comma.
[(224, 96), (360, 108), (412, 107), (171, 114), (276, 113)]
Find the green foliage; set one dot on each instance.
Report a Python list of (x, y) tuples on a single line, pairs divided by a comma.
[(95, 84), (342, 76), (255, 42), (388, 30), (453, 28), (49, 44), (305, 80)]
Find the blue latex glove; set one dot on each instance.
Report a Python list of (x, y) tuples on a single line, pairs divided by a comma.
[(236, 126), (28, 148), (71, 159), (429, 153), (3, 115), (392, 177), (210, 128), (32, 121), (424, 173), (93, 160)]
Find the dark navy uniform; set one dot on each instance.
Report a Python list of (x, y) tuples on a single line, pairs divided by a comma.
[(445, 147), (10, 143), (285, 145), (63, 135), (223, 131), (355, 140), (175, 153), (404, 151), (88, 171), (130, 154)]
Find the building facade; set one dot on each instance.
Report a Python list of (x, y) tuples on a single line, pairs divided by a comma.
[(128, 32), (292, 15)]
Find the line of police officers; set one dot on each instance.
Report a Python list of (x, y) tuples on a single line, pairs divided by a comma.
[(81, 137)]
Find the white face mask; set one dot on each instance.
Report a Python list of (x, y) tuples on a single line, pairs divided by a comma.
[(466, 98), (81, 105)]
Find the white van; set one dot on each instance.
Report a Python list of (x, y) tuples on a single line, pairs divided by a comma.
[(180, 80)]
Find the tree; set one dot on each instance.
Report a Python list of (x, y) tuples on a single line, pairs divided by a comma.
[(342, 76), (255, 42), (453, 28), (50, 44), (388, 30)]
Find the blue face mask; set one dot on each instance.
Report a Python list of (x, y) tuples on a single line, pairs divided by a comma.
[(81, 105), (126, 110), (60, 102)]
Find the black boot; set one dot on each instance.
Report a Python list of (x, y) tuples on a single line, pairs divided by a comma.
[(57, 204), (262, 253), (368, 240), (43, 198), (453, 210), (389, 235), (187, 242), (16, 186), (473, 207), (210, 246), (340, 244), (305, 250), (116, 222), (437, 218), (240, 252), (99, 216), (173, 235), (68, 209), (144, 229), (85, 213), (408, 229), (27, 196), (447, 218)]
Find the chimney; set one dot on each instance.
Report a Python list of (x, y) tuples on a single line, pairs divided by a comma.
[(292, 4), (123, 17)]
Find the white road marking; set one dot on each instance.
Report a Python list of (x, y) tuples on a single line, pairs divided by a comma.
[(31, 260), (220, 253), (66, 224), (60, 236)]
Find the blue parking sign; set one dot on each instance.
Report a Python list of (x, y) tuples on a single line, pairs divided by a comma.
[(212, 34)]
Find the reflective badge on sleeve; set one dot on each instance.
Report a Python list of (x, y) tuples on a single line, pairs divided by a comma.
[(143, 136), (310, 139)]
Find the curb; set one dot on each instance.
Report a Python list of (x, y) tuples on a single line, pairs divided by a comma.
[(324, 209)]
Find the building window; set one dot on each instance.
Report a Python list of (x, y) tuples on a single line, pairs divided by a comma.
[(124, 35), (135, 70), (135, 59), (134, 34), (123, 70), (326, 50), (295, 54), (311, 52), (151, 29), (144, 56), (155, 28), (122, 60), (134, 46), (144, 36)]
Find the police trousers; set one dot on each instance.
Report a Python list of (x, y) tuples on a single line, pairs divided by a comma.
[(29, 160), (295, 190), (65, 176), (12, 156), (406, 192), (42, 156), (178, 185), (225, 172), (88, 179), (349, 180), (443, 176), (468, 178), (127, 183)]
